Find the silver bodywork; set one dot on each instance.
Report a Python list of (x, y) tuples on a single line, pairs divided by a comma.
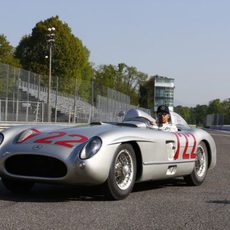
[(160, 154)]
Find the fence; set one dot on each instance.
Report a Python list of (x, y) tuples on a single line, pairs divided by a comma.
[(215, 119), (23, 97)]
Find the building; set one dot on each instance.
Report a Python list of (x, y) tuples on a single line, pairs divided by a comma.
[(163, 92)]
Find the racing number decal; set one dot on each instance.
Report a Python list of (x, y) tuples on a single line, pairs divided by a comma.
[(48, 140), (66, 143), (193, 155), (24, 138), (178, 147), (188, 142)]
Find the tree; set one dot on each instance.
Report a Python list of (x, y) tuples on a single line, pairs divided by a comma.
[(7, 52), (122, 78), (226, 110), (215, 106), (146, 98), (132, 81), (187, 113), (70, 59)]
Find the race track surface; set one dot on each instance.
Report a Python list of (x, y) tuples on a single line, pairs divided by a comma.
[(152, 205)]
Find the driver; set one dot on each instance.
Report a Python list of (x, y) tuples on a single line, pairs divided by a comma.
[(163, 117)]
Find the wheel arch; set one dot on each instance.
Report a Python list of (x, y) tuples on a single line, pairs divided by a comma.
[(209, 152), (138, 155)]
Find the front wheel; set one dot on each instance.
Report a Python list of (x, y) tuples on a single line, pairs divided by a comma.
[(17, 186), (122, 173), (201, 166)]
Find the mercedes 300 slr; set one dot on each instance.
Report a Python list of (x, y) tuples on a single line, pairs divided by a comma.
[(114, 155)]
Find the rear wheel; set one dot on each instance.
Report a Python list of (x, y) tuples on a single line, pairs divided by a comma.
[(122, 173), (201, 166), (17, 186)]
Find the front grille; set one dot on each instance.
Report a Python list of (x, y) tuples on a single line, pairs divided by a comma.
[(35, 166)]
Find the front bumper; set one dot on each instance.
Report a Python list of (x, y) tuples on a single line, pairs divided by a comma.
[(59, 169)]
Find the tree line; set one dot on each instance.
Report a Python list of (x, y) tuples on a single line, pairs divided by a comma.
[(197, 115), (70, 62)]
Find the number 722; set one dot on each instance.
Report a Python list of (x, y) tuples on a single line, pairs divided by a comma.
[(66, 142), (190, 140)]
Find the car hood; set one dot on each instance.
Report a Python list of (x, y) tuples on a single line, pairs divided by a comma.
[(54, 141)]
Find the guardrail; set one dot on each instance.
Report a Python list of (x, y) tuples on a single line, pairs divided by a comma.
[(221, 127), (8, 125)]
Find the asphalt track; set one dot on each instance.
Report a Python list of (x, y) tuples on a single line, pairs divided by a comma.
[(152, 205)]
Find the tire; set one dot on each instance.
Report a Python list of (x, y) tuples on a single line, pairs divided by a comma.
[(17, 186), (201, 166), (122, 173)]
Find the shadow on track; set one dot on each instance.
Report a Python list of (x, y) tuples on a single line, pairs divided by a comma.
[(219, 202), (65, 193)]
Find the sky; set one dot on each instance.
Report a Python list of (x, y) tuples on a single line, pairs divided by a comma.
[(188, 40)]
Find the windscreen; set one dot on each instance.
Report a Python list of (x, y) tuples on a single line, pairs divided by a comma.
[(176, 119)]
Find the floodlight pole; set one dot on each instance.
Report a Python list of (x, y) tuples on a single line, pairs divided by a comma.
[(50, 42)]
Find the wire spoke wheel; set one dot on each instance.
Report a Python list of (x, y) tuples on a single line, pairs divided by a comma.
[(201, 162), (123, 169), (122, 173), (199, 172)]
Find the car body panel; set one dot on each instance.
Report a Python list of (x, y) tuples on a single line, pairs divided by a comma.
[(162, 154)]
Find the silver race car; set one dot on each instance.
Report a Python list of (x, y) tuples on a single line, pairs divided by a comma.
[(114, 155)]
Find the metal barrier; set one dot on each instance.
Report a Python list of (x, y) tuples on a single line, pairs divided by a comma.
[(23, 97)]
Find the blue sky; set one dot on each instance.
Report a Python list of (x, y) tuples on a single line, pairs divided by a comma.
[(188, 40)]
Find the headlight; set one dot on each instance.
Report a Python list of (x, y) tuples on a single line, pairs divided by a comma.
[(1, 138), (91, 148)]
